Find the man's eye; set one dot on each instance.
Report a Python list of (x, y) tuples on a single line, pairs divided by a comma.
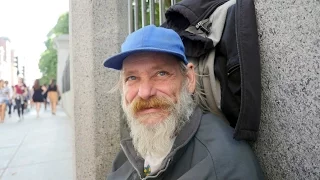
[(162, 73), (131, 78)]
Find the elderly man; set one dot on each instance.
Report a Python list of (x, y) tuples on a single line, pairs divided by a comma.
[(171, 138)]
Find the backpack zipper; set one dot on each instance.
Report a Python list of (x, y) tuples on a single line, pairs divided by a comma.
[(200, 25)]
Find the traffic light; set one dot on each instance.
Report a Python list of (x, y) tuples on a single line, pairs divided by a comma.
[(23, 72), (16, 64)]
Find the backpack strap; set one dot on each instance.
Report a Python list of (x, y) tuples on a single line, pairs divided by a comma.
[(248, 48)]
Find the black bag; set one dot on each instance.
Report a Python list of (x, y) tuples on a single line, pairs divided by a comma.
[(235, 68)]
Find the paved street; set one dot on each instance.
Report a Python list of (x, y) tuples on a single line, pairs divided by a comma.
[(37, 149)]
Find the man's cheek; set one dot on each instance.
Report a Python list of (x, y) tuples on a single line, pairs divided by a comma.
[(128, 99), (129, 95)]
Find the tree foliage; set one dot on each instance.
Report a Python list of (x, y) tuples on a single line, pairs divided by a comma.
[(48, 59)]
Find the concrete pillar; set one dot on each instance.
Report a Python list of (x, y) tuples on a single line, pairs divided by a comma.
[(62, 46), (98, 28), (289, 142)]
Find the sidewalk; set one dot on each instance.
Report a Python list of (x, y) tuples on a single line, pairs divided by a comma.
[(37, 149)]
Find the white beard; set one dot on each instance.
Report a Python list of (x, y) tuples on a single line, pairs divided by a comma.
[(157, 140)]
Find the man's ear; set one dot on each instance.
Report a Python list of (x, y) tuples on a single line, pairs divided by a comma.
[(191, 76)]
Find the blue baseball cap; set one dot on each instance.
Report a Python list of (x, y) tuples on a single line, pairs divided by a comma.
[(148, 39)]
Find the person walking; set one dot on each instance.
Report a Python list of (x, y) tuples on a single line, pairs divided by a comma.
[(27, 97), (37, 96), (3, 98), (9, 97), (53, 94), (45, 95), (20, 91)]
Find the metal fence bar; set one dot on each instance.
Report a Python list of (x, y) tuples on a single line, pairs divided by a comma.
[(151, 6), (173, 2), (135, 21), (136, 15), (143, 12), (161, 12), (130, 18)]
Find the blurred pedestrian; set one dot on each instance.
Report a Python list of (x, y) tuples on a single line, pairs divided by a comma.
[(27, 98), (37, 96), (53, 94), (13, 101), (3, 98), (31, 100), (45, 95), (20, 92), (9, 97)]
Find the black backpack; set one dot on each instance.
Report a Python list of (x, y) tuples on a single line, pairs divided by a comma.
[(232, 63)]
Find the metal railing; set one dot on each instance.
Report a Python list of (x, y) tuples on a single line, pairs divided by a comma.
[(145, 12)]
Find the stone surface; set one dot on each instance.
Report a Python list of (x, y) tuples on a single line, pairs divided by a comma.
[(289, 141), (97, 30)]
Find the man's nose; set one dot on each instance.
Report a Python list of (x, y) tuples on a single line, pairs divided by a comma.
[(146, 90)]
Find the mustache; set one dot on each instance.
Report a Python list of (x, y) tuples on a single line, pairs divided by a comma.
[(154, 102)]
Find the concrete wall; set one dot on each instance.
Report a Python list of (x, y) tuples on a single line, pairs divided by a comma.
[(6, 64), (98, 28), (67, 100), (62, 46), (289, 142)]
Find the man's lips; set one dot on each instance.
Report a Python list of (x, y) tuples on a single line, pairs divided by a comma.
[(151, 116), (148, 111)]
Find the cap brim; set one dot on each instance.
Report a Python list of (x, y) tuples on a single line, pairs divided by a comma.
[(115, 62)]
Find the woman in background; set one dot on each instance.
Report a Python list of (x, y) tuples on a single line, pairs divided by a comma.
[(53, 94), (20, 91), (3, 98), (37, 96)]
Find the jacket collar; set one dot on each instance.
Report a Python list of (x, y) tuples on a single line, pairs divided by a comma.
[(185, 135)]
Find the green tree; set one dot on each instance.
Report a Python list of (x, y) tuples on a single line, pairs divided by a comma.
[(48, 59)]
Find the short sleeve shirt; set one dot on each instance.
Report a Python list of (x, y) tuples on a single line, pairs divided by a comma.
[(4, 94)]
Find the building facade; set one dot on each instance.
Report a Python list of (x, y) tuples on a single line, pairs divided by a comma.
[(8, 71)]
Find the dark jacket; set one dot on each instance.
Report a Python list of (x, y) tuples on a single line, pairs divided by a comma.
[(237, 60), (204, 149)]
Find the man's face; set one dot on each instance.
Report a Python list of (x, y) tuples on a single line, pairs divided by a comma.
[(156, 97), (151, 85)]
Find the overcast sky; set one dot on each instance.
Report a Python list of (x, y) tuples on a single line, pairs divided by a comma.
[(26, 23)]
